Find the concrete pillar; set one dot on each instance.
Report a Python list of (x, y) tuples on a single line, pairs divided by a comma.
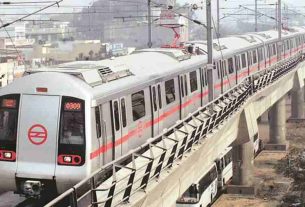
[(297, 104), (243, 159), (277, 126)]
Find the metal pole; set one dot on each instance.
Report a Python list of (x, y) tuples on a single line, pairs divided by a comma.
[(210, 50), (279, 20), (256, 29), (149, 44), (276, 15), (218, 19)]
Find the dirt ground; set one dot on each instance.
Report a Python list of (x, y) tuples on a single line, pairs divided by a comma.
[(270, 185)]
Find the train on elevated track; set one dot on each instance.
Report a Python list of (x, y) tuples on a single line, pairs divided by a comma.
[(60, 124)]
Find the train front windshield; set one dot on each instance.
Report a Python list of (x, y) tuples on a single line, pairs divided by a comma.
[(190, 196), (71, 150), (8, 126)]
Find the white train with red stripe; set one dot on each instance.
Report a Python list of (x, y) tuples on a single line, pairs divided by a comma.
[(60, 124)]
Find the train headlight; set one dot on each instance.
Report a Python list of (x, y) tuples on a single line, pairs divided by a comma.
[(67, 159), (8, 155)]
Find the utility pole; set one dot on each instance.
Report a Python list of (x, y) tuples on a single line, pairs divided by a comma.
[(210, 50), (276, 15), (149, 44), (256, 29), (279, 21), (218, 19)]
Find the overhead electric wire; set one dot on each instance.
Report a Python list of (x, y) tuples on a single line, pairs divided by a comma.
[(28, 15), (25, 2)]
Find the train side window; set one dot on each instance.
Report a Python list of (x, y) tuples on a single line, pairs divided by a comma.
[(193, 81), (123, 110), (170, 91), (98, 122), (230, 65), (159, 96), (243, 60), (254, 56), (138, 105), (116, 115)]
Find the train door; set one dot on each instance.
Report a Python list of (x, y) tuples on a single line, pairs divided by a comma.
[(171, 102), (38, 135), (231, 72), (204, 86), (291, 47), (267, 52), (107, 135), (98, 132), (195, 92), (217, 78), (226, 82), (119, 126), (254, 67), (274, 57), (287, 49), (244, 65), (183, 95), (261, 59), (140, 126), (249, 55), (283, 50), (157, 108), (237, 69)]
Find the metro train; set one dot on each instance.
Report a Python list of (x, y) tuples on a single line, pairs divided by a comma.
[(204, 191), (59, 124)]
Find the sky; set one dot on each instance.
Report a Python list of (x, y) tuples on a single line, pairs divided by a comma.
[(199, 14)]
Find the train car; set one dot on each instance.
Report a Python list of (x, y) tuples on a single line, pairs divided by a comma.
[(201, 193), (224, 167), (59, 124)]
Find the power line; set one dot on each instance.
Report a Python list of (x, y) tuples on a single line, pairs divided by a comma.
[(26, 2), (28, 15)]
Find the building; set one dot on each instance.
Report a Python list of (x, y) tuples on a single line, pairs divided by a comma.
[(10, 66), (53, 31)]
